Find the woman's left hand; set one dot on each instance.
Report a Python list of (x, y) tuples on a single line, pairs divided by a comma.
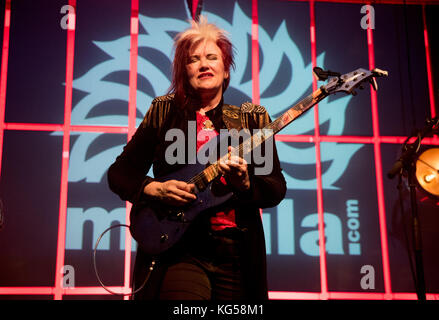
[(235, 171)]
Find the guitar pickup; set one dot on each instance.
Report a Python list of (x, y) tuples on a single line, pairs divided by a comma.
[(164, 237)]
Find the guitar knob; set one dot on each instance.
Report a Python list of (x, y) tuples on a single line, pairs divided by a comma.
[(164, 237)]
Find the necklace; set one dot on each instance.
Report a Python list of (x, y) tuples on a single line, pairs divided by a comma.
[(204, 122), (208, 125)]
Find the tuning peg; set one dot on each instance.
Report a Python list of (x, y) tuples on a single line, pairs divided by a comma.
[(379, 73), (354, 93), (374, 84), (323, 75), (320, 74)]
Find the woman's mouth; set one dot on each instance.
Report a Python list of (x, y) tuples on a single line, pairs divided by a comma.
[(205, 75)]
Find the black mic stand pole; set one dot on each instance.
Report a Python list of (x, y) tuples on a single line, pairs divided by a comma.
[(407, 163), (417, 240)]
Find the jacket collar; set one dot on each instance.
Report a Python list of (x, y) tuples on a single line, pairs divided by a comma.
[(215, 115)]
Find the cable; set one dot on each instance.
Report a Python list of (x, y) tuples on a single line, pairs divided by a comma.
[(409, 251), (151, 267)]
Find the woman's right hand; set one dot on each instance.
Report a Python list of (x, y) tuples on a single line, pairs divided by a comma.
[(171, 192)]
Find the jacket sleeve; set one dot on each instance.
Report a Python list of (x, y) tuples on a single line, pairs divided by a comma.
[(127, 176), (266, 190)]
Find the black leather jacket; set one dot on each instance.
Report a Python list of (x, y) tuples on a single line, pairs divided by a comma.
[(127, 178)]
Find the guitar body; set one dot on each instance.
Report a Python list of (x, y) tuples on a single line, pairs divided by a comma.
[(159, 227)]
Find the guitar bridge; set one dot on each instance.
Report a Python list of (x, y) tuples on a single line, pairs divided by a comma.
[(164, 237)]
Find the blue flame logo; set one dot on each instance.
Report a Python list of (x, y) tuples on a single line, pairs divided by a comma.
[(159, 37)]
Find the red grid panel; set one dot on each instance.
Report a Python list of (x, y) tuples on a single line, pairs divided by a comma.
[(131, 128), (4, 73), (378, 168), (320, 209), (65, 152), (58, 291), (255, 53), (428, 61)]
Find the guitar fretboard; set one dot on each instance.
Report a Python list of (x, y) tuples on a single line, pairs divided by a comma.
[(206, 176)]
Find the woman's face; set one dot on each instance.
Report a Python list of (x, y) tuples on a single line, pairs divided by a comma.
[(205, 68)]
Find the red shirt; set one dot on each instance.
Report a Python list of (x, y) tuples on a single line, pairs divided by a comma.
[(206, 131)]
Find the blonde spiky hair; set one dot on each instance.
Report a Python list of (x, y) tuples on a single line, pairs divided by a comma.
[(201, 31), (185, 41)]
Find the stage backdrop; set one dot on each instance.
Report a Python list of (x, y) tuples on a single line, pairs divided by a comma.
[(77, 77)]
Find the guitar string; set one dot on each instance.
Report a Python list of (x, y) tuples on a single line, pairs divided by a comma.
[(303, 106), (275, 126), (249, 144)]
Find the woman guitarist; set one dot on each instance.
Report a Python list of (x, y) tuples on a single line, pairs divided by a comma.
[(222, 255)]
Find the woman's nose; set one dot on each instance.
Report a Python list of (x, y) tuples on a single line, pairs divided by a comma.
[(203, 64)]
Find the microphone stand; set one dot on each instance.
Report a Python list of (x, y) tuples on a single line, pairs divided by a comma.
[(407, 164)]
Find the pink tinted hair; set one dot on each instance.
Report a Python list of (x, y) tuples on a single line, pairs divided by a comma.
[(187, 40)]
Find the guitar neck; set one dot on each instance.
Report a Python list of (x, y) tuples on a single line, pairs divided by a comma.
[(296, 111), (211, 172)]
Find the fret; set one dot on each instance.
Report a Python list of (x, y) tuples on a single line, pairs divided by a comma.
[(209, 173), (246, 146), (276, 125), (297, 110)]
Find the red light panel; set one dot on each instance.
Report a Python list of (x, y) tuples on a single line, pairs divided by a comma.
[(255, 53), (320, 209), (65, 153), (4, 73), (378, 168), (428, 61)]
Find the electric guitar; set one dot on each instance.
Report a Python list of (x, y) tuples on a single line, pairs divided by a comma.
[(159, 227)]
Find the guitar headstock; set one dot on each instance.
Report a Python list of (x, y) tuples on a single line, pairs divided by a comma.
[(348, 82)]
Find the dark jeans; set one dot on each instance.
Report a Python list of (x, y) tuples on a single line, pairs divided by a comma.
[(209, 271)]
